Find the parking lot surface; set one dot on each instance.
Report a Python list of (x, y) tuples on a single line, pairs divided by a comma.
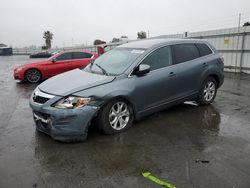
[(188, 145)]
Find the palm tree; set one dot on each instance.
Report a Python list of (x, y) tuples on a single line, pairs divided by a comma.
[(48, 36)]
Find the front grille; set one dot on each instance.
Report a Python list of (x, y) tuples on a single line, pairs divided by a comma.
[(40, 100), (41, 97)]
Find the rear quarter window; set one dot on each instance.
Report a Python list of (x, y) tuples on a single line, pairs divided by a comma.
[(81, 55), (184, 52), (64, 56), (204, 49)]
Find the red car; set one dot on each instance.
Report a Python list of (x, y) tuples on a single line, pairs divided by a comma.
[(59, 63)]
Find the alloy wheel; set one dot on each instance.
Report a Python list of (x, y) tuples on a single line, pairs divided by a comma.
[(119, 115), (33, 75), (209, 91)]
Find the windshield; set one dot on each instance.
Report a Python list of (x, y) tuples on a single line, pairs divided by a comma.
[(114, 62), (54, 54)]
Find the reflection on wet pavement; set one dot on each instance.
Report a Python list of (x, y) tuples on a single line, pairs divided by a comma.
[(168, 144)]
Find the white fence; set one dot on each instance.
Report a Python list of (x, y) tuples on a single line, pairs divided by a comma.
[(232, 43), (27, 51)]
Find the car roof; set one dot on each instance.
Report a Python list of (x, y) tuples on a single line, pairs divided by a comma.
[(86, 51), (152, 43)]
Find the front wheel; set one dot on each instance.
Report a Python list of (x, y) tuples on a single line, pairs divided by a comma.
[(33, 76), (208, 91), (115, 117)]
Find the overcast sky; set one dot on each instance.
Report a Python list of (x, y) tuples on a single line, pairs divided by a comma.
[(83, 21)]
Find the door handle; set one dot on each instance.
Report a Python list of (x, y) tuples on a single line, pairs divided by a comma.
[(204, 64), (171, 74)]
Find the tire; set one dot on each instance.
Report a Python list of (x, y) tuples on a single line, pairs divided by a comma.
[(115, 117), (208, 91), (33, 76)]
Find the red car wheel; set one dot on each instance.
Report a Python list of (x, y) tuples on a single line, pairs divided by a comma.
[(33, 75)]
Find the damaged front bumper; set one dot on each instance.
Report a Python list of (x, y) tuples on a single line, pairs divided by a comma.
[(63, 124)]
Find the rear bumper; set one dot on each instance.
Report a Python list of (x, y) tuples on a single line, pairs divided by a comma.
[(63, 124), (221, 80)]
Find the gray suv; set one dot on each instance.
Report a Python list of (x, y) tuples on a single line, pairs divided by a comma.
[(126, 83)]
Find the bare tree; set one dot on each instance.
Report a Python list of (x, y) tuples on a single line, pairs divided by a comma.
[(141, 35), (115, 39), (48, 36)]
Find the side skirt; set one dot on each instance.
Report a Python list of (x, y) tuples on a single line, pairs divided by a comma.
[(166, 105)]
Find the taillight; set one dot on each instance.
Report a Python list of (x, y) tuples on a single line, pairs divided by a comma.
[(221, 62), (222, 59)]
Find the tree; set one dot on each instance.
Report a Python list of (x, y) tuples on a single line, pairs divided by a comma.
[(48, 36), (3, 45), (141, 35), (98, 41), (115, 40), (246, 24)]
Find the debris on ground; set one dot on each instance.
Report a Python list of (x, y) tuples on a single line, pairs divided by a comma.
[(156, 180), (202, 161)]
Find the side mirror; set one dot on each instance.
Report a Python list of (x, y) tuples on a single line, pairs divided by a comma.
[(142, 69), (54, 60)]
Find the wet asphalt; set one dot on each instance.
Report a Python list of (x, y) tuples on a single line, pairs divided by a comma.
[(189, 146)]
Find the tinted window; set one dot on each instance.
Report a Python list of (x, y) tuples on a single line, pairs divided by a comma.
[(203, 49), (81, 55), (184, 52), (64, 56), (159, 58)]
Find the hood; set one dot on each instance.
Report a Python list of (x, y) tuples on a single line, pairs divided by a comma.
[(73, 81), (38, 62), (33, 64)]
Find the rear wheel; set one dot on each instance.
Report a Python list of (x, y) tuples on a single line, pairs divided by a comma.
[(33, 76), (208, 91), (115, 117)]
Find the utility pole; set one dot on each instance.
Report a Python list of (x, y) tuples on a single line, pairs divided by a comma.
[(239, 22), (148, 34), (237, 46)]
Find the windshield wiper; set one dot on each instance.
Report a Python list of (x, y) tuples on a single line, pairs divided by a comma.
[(103, 70), (92, 62)]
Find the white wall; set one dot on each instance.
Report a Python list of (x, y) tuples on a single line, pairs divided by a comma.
[(229, 43)]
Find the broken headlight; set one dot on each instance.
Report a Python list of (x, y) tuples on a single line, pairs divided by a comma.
[(72, 102)]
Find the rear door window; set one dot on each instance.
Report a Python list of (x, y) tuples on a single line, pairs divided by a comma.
[(184, 52), (203, 49), (81, 55), (159, 58), (64, 56)]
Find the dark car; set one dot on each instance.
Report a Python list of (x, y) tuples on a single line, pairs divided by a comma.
[(6, 51), (41, 55), (126, 83)]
